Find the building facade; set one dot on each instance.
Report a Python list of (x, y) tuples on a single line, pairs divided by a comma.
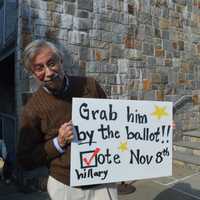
[(136, 49)]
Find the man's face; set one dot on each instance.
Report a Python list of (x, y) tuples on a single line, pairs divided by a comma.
[(47, 68)]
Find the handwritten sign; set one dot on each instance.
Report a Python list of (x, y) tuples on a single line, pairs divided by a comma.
[(120, 140)]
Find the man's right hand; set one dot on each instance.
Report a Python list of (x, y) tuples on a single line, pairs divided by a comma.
[(65, 134)]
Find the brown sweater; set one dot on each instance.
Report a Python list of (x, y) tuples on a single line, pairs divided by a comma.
[(41, 118)]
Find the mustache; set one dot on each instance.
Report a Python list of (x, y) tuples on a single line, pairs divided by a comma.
[(52, 78)]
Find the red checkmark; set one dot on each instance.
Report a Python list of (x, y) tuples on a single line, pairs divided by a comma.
[(93, 155)]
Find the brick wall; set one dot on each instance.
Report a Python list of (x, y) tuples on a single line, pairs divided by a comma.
[(136, 49)]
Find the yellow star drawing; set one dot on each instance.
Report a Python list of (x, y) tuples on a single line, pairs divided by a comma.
[(123, 146), (159, 112)]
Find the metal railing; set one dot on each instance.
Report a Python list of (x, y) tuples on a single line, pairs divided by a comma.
[(8, 129), (181, 102)]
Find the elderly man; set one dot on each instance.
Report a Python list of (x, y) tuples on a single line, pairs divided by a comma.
[(46, 127)]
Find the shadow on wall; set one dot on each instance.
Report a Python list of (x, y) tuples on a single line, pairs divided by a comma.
[(71, 60), (179, 191), (71, 57)]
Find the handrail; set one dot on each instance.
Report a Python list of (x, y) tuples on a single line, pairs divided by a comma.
[(181, 102)]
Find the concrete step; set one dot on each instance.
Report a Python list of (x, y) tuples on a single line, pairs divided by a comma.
[(194, 133), (193, 136), (189, 145), (192, 159)]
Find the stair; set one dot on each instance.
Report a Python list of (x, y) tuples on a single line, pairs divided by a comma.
[(195, 160), (187, 151)]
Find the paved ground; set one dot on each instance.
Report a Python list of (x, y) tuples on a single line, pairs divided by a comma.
[(183, 185)]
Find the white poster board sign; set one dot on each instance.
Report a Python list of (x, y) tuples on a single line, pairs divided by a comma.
[(120, 140)]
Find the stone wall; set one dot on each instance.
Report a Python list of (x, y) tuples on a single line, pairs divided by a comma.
[(136, 49)]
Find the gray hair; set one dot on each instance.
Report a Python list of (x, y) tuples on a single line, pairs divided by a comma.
[(33, 48)]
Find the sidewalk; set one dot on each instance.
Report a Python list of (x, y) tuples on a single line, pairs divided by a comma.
[(183, 185), (11, 192)]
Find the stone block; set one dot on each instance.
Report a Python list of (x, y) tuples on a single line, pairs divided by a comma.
[(58, 1), (141, 32), (181, 2), (116, 51), (95, 34), (196, 152), (168, 62), (99, 6), (39, 4), (156, 78), (106, 36), (128, 41), (159, 95), (123, 65), (66, 21), (81, 24), (101, 55), (111, 79), (131, 9), (181, 45), (165, 35), (146, 84), (149, 31), (160, 61), (167, 45), (131, 43), (69, 8), (54, 7), (99, 25), (186, 67), (84, 53), (91, 67), (99, 44), (151, 61), (134, 54), (85, 5), (70, 1), (159, 52), (83, 14), (78, 37), (148, 49), (165, 12), (145, 18), (157, 33), (117, 38), (196, 99), (115, 89), (55, 33), (164, 23), (110, 68), (149, 95), (119, 28)]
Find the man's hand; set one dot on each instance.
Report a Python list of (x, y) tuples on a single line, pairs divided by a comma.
[(65, 133)]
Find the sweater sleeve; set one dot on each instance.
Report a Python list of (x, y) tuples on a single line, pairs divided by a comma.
[(32, 149)]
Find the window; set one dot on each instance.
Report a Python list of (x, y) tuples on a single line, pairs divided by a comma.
[(1, 3)]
